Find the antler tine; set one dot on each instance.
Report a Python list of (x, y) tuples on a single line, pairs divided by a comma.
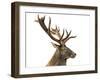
[(66, 32), (58, 28), (41, 22), (62, 35), (49, 21), (71, 37), (58, 32), (68, 36), (42, 18)]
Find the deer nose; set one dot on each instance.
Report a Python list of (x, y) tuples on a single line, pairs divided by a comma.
[(73, 55)]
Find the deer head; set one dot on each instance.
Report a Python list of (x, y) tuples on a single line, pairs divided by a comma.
[(62, 51)]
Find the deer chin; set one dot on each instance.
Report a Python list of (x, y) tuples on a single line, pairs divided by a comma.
[(66, 57)]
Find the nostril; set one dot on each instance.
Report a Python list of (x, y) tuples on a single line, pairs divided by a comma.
[(73, 56)]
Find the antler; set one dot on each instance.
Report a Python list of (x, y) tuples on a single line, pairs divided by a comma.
[(47, 30), (55, 31)]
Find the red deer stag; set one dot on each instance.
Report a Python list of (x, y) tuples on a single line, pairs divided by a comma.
[(62, 51)]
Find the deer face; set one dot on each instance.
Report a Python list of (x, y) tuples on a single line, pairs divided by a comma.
[(67, 53), (64, 51)]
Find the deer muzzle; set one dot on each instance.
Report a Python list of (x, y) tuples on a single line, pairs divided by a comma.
[(73, 55)]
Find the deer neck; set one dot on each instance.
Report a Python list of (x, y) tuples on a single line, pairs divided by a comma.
[(62, 62)]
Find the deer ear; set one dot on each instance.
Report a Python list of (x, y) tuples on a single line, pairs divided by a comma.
[(55, 45)]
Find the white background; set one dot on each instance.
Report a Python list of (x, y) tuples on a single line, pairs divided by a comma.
[(5, 41), (39, 50)]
